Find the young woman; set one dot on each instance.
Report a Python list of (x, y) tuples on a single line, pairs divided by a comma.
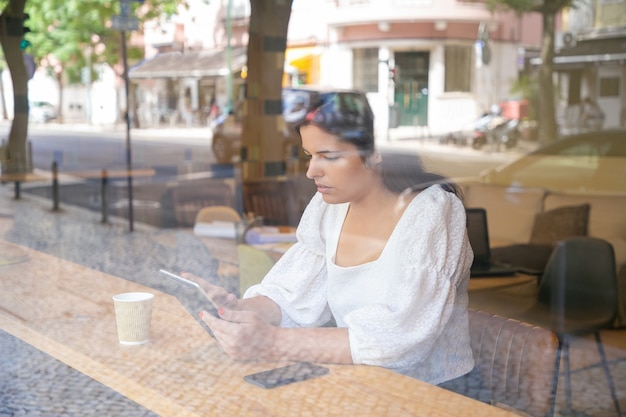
[(382, 249)]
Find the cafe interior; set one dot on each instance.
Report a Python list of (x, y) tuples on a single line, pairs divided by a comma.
[(548, 338)]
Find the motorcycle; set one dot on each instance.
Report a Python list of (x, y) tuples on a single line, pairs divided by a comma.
[(493, 129)]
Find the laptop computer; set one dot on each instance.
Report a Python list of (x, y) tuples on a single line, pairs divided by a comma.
[(478, 235)]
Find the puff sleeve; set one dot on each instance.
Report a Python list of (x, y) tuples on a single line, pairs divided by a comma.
[(297, 283)]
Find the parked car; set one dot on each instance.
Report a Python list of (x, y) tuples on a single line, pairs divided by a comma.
[(590, 162), (296, 102), (42, 112)]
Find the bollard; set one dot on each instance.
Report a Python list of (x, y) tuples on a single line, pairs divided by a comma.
[(55, 186), (103, 196)]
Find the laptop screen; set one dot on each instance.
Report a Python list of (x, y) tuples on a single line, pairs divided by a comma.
[(478, 234)]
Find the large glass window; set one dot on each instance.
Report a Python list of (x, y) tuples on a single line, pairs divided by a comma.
[(365, 69), (458, 62)]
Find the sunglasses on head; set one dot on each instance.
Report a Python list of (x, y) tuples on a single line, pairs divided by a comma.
[(345, 115)]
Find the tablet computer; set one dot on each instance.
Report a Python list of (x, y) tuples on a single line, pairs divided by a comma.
[(207, 303)]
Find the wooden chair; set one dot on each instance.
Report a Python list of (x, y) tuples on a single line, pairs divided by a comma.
[(187, 200), (273, 199), (217, 213), (254, 263), (515, 364)]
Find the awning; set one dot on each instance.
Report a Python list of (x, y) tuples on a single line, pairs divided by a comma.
[(189, 64), (589, 51), (292, 54), (301, 59)]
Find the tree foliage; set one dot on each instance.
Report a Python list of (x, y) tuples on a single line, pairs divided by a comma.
[(65, 32), (63, 35)]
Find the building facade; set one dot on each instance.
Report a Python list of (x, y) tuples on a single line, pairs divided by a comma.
[(431, 66), (590, 62), (435, 65)]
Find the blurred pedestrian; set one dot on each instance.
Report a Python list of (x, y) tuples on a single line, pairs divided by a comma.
[(591, 115)]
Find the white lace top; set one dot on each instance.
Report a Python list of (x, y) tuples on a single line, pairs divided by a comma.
[(407, 310)]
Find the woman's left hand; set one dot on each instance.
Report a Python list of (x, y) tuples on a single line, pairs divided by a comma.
[(244, 335)]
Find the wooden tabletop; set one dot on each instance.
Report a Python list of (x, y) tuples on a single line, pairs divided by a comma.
[(66, 310)]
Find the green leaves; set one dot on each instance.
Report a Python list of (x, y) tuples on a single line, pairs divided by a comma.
[(65, 32)]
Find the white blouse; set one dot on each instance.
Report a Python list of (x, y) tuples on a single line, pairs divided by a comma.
[(407, 310)]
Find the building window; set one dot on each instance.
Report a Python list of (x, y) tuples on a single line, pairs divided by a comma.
[(609, 87), (458, 64), (365, 69)]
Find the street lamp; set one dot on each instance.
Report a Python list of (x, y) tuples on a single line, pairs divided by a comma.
[(124, 22)]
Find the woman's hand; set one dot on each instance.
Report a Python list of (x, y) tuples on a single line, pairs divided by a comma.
[(217, 294), (244, 335)]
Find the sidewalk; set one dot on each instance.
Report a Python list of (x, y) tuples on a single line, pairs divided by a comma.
[(34, 384)]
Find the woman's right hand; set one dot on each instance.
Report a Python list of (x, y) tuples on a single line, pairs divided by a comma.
[(218, 295)]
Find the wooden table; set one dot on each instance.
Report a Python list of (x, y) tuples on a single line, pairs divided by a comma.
[(65, 310)]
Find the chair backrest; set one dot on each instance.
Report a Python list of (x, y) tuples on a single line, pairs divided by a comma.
[(254, 263), (274, 200), (515, 362), (217, 213), (187, 200), (580, 281)]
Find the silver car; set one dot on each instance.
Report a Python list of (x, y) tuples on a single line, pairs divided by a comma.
[(42, 112), (590, 162)]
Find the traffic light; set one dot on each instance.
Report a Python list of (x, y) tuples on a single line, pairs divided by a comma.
[(14, 26), (24, 44), (25, 29), (392, 74)]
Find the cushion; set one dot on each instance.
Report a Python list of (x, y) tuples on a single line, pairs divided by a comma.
[(606, 219), (560, 223)]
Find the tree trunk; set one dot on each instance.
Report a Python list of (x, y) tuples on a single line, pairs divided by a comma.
[(11, 34), (5, 115), (547, 110), (262, 153)]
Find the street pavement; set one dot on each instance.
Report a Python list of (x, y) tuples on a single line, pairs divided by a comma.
[(152, 197), (403, 137)]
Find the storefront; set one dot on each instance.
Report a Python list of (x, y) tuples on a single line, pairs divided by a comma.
[(175, 88)]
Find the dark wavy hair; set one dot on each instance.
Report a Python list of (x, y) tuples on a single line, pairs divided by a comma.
[(349, 117)]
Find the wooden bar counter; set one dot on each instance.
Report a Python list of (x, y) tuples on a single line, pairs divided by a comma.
[(66, 310)]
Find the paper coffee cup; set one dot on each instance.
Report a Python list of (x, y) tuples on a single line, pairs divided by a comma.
[(133, 313)]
